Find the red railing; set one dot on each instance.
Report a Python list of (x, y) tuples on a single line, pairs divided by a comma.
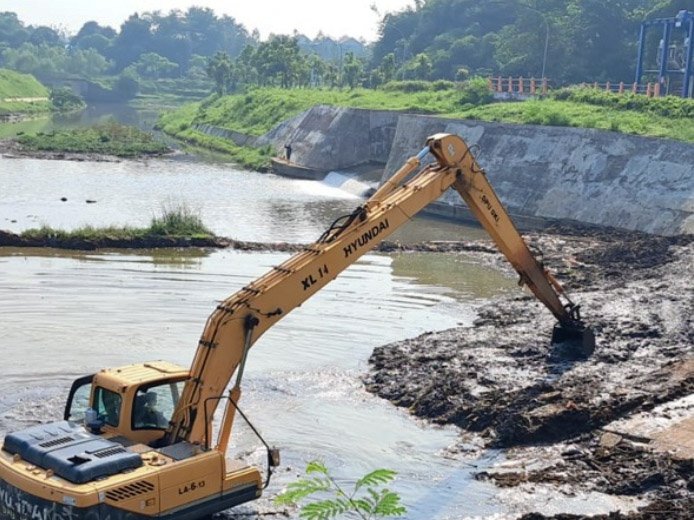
[(648, 89), (532, 86), (520, 85)]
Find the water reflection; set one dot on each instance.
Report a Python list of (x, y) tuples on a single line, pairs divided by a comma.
[(71, 313), (458, 275)]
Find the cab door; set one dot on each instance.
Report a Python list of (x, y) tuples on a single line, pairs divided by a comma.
[(79, 399)]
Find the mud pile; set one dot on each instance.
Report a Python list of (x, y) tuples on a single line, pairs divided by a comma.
[(501, 380)]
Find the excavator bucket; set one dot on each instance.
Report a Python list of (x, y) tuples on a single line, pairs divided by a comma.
[(573, 342)]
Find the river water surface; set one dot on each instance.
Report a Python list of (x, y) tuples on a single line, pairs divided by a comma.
[(66, 314)]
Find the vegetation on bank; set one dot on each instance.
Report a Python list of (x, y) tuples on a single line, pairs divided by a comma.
[(17, 94), (261, 109), (174, 222), (105, 139), (16, 85)]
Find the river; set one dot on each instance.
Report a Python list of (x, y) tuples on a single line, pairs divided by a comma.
[(65, 314)]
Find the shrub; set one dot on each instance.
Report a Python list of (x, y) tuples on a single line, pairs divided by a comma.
[(408, 86), (667, 106), (368, 499), (476, 92), (63, 99), (178, 220), (442, 84)]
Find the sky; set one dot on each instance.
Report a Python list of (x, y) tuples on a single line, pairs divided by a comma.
[(334, 17)]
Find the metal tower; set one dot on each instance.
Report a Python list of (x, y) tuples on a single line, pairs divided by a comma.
[(674, 57)]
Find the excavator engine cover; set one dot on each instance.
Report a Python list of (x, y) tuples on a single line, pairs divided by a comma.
[(573, 342), (71, 452)]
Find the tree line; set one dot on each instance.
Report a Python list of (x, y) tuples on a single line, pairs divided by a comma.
[(153, 45), (588, 40)]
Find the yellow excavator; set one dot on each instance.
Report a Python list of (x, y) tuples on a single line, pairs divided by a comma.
[(137, 442)]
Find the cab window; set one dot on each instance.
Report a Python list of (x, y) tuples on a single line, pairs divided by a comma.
[(78, 399), (154, 405), (107, 405)]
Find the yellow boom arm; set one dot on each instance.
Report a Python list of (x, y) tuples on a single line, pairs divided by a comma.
[(239, 321)]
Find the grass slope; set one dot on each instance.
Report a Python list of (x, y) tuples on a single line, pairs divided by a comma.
[(260, 110), (15, 85)]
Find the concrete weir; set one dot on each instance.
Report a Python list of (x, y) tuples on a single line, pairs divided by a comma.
[(544, 175)]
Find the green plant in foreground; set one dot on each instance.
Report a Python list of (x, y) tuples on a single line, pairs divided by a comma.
[(368, 500)]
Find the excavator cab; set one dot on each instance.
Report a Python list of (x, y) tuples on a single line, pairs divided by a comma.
[(135, 402)]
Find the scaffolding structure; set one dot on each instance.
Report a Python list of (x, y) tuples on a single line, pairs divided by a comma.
[(674, 57)]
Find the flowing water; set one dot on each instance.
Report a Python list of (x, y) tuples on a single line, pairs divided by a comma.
[(66, 314)]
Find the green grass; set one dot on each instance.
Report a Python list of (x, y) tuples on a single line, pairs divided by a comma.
[(16, 85), (107, 139), (178, 123), (551, 112), (260, 110), (175, 221), (24, 107)]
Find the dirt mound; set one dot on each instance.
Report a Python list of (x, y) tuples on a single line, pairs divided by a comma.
[(501, 380)]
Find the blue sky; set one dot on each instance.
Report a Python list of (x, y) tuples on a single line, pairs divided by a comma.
[(334, 18)]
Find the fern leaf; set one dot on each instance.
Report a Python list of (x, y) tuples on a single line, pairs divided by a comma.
[(380, 476), (389, 505), (316, 466), (301, 489), (365, 505), (323, 510)]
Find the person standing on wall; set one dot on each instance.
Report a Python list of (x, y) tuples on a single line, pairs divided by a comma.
[(288, 152)]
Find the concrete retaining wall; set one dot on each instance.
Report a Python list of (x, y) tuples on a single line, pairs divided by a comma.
[(552, 173), (326, 138), (542, 174)]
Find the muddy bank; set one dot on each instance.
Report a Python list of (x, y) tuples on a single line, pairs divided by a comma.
[(11, 149), (9, 239), (500, 381)]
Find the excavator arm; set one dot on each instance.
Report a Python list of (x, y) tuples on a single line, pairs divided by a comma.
[(238, 322)]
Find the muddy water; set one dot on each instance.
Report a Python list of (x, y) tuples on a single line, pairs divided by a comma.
[(232, 202), (67, 314)]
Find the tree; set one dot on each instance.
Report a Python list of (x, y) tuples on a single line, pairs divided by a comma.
[(220, 70), (87, 63), (134, 39), (352, 70), (12, 30), (45, 35), (127, 85), (151, 65), (279, 59), (63, 98), (422, 67), (318, 68), (387, 67)]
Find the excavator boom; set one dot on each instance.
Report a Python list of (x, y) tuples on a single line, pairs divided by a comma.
[(238, 322)]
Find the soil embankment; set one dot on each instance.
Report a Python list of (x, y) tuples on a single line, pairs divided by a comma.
[(11, 149), (9, 239), (500, 382)]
